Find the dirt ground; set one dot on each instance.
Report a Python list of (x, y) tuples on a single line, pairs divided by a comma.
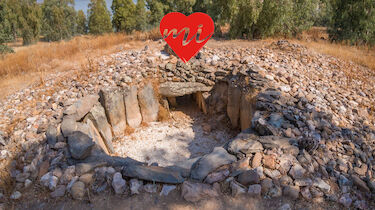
[(41, 200)]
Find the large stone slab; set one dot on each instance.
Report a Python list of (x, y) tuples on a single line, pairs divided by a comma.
[(247, 109), (113, 102), (234, 102), (95, 135), (81, 107), (175, 89), (133, 112), (148, 103), (98, 117), (208, 163), (153, 173)]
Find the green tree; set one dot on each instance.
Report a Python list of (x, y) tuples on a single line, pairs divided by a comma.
[(275, 18), (30, 21), (5, 27), (59, 19), (245, 17), (99, 17), (123, 15), (157, 11), (304, 15), (141, 15), (353, 21), (81, 23)]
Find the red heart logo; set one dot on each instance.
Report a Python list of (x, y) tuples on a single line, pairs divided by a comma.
[(181, 32)]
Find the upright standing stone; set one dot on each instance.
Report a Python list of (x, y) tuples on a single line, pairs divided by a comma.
[(97, 116), (148, 103), (234, 102), (246, 110), (113, 102), (95, 135), (133, 113)]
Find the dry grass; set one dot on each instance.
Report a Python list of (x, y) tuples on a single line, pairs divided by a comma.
[(31, 64), (360, 55)]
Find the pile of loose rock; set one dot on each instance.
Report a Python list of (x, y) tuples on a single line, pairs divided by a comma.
[(305, 130)]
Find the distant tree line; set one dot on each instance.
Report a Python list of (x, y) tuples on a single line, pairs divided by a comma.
[(347, 20)]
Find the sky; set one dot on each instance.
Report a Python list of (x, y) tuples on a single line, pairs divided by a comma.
[(82, 5)]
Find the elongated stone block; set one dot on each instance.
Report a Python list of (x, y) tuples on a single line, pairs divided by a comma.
[(133, 112), (113, 102)]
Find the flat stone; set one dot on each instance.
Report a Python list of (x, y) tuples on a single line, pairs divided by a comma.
[(217, 176), (254, 190), (153, 173), (80, 145), (244, 143), (86, 178), (249, 177), (208, 163), (237, 188), (194, 192), (297, 171), (59, 191), (112, 100), (176, 89), (148, 103), (322, 185), (360, 183), (81, 107), (291, 191)]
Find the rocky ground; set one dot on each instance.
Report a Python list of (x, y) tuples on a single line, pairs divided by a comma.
[(311, 139)]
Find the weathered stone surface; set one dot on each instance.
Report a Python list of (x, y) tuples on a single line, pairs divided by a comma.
[(98, 117), (118, 183), (245, 143), (51, 135), (208, 163), (135, 186), (167, 189), (86, 178), (234, 103), (153, 173), (194, 192), (133, 113), (237, 188), (81, 107), (247, 109), (254, 190), (112, 100), (59, 191), (95, 135), (80, 145), (291, 191), (148, 103), (78, 190), (150, 188), (218, 99), (297, 171), (83, 168), (360, 183), (69, 125), (217, 176), (249, 177), (175, 89), (270, 142)]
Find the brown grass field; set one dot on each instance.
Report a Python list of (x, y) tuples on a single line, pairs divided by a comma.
[(30, 64)]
